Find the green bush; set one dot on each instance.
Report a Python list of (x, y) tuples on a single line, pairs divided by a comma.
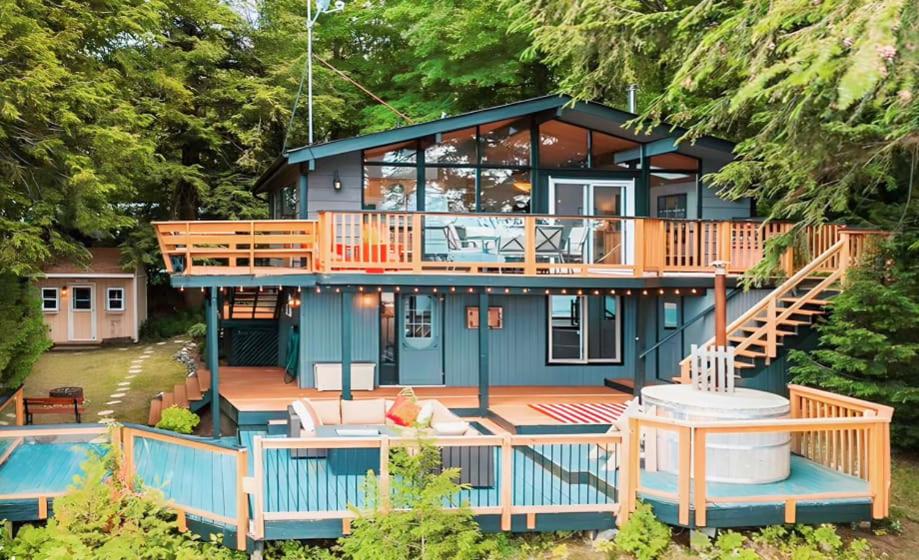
[(642, 536), (168, 326), (104, 519), (197, 332), (417, 525), (177, 419), (25, 335)]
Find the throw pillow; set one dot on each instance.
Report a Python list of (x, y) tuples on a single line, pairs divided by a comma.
[(307, 420), (403, 412), (425, 415), (457, 428)]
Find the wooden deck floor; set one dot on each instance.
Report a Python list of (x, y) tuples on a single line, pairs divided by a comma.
[(259, 389)]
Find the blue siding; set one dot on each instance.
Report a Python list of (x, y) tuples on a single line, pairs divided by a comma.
[(320, 335), (284, 325)]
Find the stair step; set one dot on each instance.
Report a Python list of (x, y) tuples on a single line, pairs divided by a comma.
[(754, 342), (804, 311), (807, 302), (743, 365), (168, 400), (191, 388), (204, 380), (778, 332), (794, 322), (156, 410), (749, 353), (181, 398)]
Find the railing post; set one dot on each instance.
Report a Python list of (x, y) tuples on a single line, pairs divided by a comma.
[(242, 503), (724, 241), (251, 247), (640, 251), (698, 472), (684, 478), (624, 489), (20, 405), (771, 335), (844, 254), (326, 240), (507, 480), (258, 501), (188, 263), (529, 246), (876, 470), (417, 232), (788, 257), (127, 458), (384, 473)]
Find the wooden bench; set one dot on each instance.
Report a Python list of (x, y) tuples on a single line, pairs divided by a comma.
[(53, 405)]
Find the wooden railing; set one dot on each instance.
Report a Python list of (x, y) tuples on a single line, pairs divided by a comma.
[(221, 503), (16, 403), (424, 242), (238, 247), (826, 271), (508, 462), (841, 433)]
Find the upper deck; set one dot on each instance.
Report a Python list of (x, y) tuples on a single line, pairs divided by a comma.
[(422, 243)]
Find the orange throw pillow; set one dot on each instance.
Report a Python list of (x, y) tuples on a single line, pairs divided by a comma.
[(403, 411)]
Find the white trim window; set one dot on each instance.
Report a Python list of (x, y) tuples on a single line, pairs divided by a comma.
[(114, 299), (50, 300), (585, 329)]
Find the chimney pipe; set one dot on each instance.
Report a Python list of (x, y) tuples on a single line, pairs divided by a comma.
[(633, 102)]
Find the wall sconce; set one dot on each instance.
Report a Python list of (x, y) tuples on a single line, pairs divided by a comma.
[(64, 291), (336, 181)]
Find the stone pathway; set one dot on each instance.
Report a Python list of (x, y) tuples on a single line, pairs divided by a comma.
[(135, 368)]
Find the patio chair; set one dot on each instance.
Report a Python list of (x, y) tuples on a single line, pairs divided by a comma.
[(577, 242), (549, 242)]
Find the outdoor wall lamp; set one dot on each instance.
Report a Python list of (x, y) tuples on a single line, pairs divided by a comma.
[(336, 181)]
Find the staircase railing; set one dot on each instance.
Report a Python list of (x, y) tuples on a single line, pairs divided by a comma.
[(830, 267)]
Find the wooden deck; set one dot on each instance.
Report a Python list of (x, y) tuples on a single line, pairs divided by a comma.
[(260, 389)]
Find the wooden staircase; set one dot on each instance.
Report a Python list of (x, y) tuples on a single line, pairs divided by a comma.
[(251, 303), (757, 334), (189, 394)]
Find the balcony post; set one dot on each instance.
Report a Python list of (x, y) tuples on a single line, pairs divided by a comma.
[(213, 358), (529, 246), (483, 352), (347, 299), (302, 192)]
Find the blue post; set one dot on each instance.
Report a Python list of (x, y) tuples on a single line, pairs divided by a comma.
[(302, 193), (213, 360), (483, 353), (347, 299)]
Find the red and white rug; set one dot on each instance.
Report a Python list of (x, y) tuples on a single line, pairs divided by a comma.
[(582, 413)]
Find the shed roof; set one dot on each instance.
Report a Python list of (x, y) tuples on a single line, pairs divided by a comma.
[(105, 260)]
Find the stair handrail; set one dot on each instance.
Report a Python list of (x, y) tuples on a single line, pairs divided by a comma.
[(687, 324), (774, 296)]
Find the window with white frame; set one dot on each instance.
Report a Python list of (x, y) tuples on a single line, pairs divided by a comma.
[(585, 329), (50, 299), (114, 299)]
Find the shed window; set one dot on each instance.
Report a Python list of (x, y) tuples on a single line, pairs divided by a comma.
[(82, 298), (114, 299), (50, 299), (584, 329)]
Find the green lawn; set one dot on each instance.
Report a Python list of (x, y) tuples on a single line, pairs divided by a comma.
[(99, 371)]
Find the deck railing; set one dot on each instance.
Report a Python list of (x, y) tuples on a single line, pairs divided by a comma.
[(518, 244), (197, 477), (15, 403), (843, 434), (507, 475)]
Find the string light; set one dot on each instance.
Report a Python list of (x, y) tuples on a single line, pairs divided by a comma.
[(628, 292), (379, 289), (507, 290), (299, 289), (416, 290), (435, 290), (661, 292), (337, 290), (612, 292), (360, 288), (525, 290), (398, 288), (644, 292), (318, 290), (677, 291), (452, 288), (693, 290)]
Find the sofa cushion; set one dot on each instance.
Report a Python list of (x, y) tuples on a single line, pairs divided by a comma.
[(308, 419), (442, 413), (455, 428), (425, 414), (329, 411), (364, 411)]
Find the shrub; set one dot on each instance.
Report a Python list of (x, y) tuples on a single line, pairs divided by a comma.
[(177, 419), (25, 335), (417, 526), (103, 519), (168, 326), (642, 536), (197, 332)]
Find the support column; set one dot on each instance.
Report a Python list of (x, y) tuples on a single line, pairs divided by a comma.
[(303, 193), (643, 187), (347, 299), (213, 359), (483, 353)]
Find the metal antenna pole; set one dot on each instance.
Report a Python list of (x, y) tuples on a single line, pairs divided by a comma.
[(309, 67)]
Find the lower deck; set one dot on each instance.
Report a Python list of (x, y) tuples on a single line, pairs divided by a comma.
[(253, 395)]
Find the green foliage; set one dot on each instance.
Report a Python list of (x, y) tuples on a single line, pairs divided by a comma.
[(197, 332), (869, 346), (293, 550), (804, 542), (104, 519), (167, 326), (25, 336), (642, 536), (177, 419), (425, 519), (820, 95)]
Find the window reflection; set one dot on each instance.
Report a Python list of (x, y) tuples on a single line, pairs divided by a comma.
[(604, 148), (390, 188), (404, 152), (449, 189), (506, 142), (505, 190), (562, 145), (457, 147)]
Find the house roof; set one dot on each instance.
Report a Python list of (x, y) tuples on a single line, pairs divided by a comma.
[(105, 260), (564, 107)]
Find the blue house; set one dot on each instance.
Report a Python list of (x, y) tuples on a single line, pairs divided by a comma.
[(526, 270)]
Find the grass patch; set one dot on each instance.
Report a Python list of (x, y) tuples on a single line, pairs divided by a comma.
[(99, 371)]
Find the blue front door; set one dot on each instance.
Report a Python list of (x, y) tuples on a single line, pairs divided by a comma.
[(420, 341)]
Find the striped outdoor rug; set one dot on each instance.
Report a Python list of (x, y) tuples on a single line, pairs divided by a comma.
[(582, 413)]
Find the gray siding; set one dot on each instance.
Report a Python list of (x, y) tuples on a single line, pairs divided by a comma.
[(320, 336), (322, 196), (717, 208)]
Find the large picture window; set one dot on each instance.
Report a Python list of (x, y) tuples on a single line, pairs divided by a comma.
[(584, 329)]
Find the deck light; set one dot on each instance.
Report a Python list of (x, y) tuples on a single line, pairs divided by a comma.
[(677, 291), (564, 291), (644, 292), (470, 290), (435, 290), (452, 288), (318, 290), (693, 290), (181, 289), (360, 288), (628, 292), (580, 292), (379, 289), (299, 288), (612, 292), (507, 290), (398, 288), (596, 292), (661, 292), (525, 290), (547, 292), (416, 290), (488, 290), (337, 290)]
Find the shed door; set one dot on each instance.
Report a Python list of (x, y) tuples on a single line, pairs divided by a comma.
[(81, 326)]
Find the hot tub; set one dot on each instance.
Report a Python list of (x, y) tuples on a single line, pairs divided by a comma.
[(743, 458)]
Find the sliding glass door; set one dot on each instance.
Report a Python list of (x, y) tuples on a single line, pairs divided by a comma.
[(605, 241)]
